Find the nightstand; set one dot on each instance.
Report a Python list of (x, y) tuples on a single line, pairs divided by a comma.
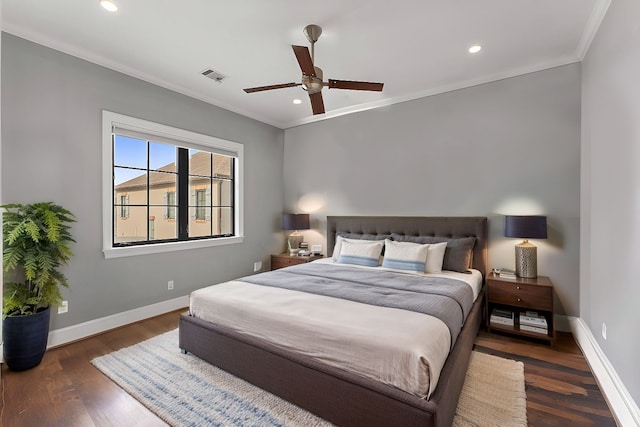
[(518, 296), (286, 260)]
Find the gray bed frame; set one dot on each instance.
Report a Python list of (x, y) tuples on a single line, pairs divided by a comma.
[(338, 396)]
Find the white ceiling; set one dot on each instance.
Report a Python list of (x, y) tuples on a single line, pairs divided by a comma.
[(416, 47)]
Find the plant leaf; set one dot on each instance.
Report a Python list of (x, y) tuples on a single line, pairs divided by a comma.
[(37, 240)]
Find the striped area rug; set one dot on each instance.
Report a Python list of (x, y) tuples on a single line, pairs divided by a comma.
[(186, 391)]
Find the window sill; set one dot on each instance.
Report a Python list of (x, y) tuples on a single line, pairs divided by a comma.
[(168, 247)]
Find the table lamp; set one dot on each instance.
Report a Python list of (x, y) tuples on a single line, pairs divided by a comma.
[(295, 222), (526, 227)]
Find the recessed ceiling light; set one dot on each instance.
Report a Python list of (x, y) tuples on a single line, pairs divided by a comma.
[(109, 5), (297, 101), (475, 49)]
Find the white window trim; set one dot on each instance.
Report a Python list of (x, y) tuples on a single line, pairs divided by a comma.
[(110, 119)]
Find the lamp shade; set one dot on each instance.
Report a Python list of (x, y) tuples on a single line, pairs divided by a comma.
[(295, 221), (525, 227)]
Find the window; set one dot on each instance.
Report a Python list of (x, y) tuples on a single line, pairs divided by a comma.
[(124, 206), (201, 204), (169, 188), (170, 212)]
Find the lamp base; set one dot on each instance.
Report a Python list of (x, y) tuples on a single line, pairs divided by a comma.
[(526, 260), (294, 241)]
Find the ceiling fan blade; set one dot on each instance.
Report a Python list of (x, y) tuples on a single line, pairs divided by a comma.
[(317, 105), (261, 88), (304, 59), (348, 84)]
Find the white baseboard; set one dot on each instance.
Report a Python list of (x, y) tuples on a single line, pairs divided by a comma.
[(82, 330), (622, 405)]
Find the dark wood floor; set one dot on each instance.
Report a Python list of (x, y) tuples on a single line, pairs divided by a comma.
[(561, 390), (66, 390)]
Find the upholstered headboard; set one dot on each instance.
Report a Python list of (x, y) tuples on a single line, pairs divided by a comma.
[(449, 227)]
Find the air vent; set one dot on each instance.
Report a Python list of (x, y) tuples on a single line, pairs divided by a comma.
[(214, 75)]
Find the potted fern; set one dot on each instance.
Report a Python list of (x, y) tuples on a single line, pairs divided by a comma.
[(37, 242)]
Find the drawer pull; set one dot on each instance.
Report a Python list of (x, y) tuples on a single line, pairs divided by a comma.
[(519, 300), (518, 287)]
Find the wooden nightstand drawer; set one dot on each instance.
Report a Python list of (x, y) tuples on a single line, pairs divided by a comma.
[(286, 260), (521, 295)]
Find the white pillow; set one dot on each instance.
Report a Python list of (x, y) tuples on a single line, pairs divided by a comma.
[(367, 254), (405, 256), (340, 239), (435, 257)]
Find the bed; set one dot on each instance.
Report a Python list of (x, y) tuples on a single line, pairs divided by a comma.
[(337, 395)]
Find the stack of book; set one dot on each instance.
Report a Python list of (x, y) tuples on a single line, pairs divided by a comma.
[(508, 274), (501, 317), (531, 321)]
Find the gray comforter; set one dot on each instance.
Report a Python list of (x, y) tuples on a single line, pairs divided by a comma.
[(447, 299)]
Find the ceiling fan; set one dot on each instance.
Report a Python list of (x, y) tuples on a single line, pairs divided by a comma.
[(312, 75)]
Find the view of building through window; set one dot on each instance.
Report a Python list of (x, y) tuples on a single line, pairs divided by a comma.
[(148, 178)]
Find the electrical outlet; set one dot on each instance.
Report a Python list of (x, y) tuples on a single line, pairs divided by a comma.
[(257, 266), (604, 330), (170, 285), (64, 307)]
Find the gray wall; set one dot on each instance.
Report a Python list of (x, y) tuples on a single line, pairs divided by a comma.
[(610, 288), (51, 144), (507, 147)]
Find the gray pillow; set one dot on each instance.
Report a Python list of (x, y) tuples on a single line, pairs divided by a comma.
[(459, 253), (363, 236)]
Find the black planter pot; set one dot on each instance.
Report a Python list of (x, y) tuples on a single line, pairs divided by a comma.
[(25, 339)]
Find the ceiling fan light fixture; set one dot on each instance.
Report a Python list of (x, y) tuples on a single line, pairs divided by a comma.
[(109, 5), (312, 76), (475, 48), (312, 32)]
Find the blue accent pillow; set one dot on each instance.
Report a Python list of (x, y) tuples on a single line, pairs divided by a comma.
[(366, 254), (405, 256), (458, 255)]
